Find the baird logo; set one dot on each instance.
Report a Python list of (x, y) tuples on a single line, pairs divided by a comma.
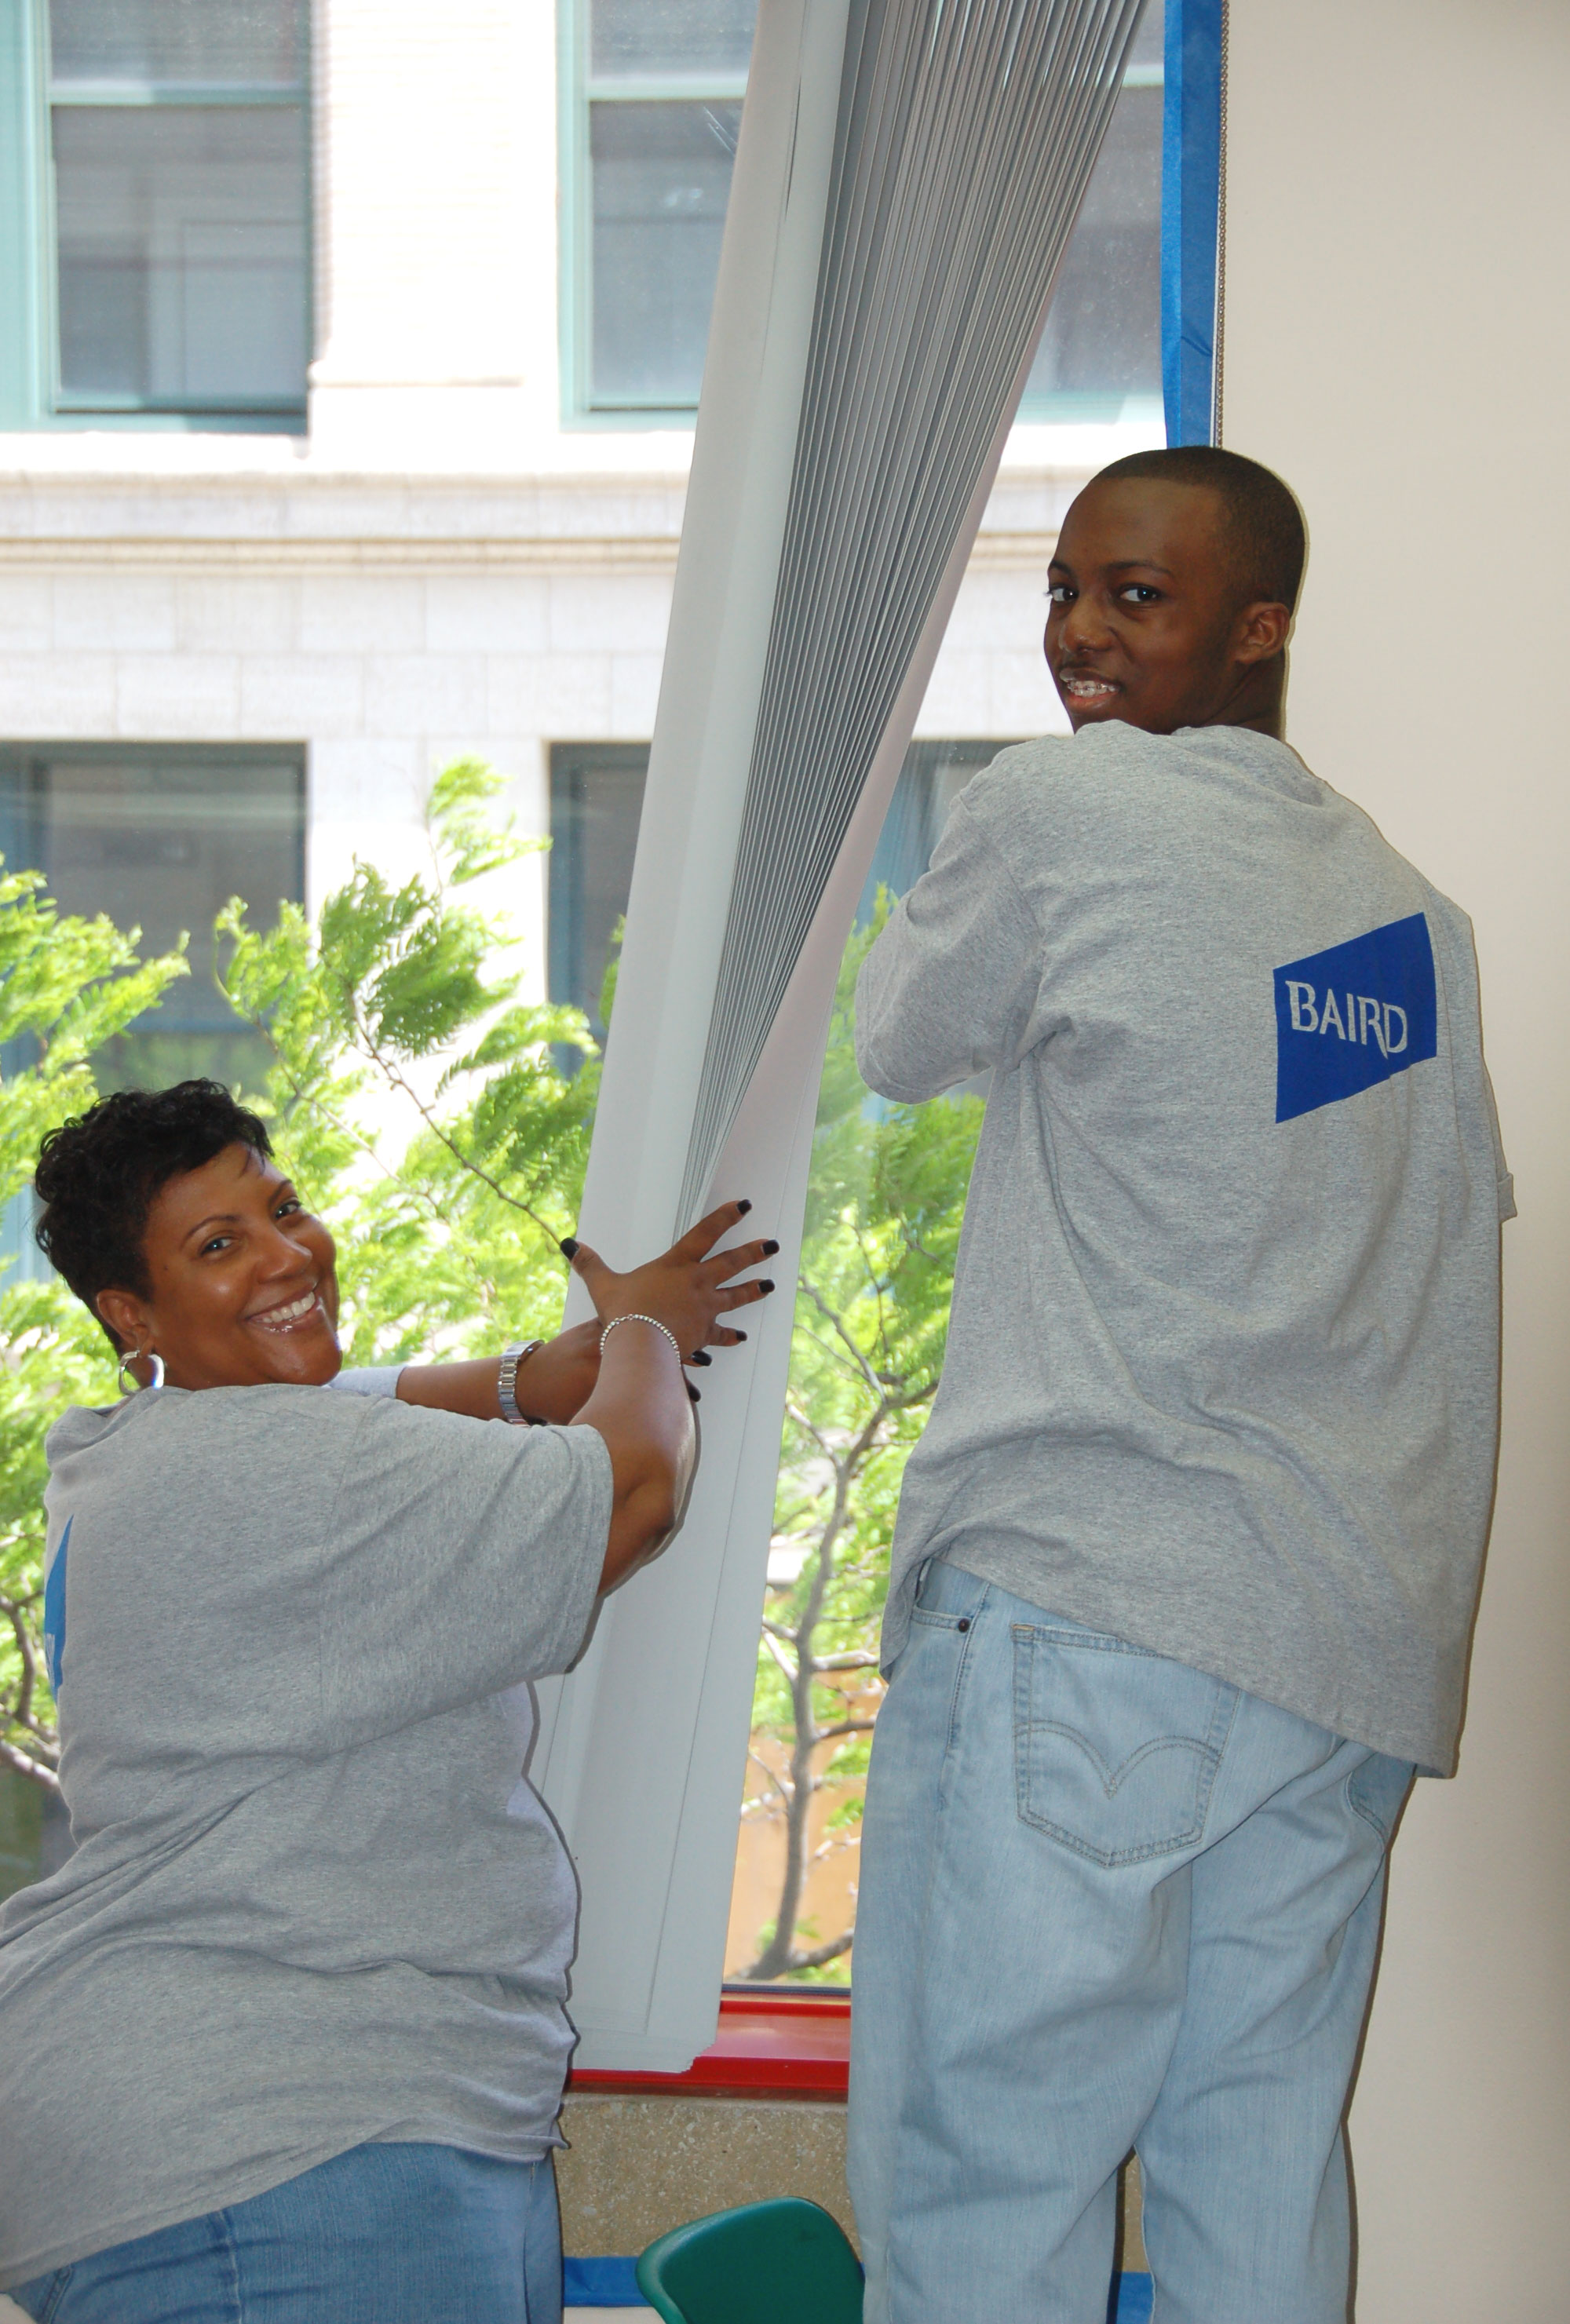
[(1355, 1015), (1367, 1017)]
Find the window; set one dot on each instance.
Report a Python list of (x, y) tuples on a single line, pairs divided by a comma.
[(655, 104), (1100, 356), (885, 1200), (655, 90), (158, 837), (596, 796), (159, 224), (793, 1906)]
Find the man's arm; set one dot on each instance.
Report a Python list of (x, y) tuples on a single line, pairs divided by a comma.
[(951, 987)]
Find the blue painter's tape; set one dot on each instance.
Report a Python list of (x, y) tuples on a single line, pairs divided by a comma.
[(1356, 1014), (1133, 2301), (601, 2284), (1190, 216)]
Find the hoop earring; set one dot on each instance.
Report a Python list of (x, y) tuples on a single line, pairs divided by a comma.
[(154, 1358)]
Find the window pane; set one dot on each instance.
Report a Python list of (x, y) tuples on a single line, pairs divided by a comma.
[(885, 1201), (183, 254), (597, 797), (160, 842), (35, 1835), (1103, 340), (667, 36), (172, 41), (1148, 54), (661, 180)]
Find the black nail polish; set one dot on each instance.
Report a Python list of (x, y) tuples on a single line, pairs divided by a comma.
[(770, 1249), (702, 1357), (766, 1284), (745, 1205), (693, 1393), (569, 1247), (740, 1335)]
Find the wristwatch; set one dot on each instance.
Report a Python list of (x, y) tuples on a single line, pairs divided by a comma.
[(507, 1382)]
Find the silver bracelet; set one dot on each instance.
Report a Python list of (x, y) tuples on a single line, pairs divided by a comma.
[(507, 1381), (658, 1326)]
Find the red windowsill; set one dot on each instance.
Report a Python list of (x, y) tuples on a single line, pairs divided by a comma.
[(772, 2043)]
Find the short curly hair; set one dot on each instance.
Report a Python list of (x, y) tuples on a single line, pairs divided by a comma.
[(97, 1176)]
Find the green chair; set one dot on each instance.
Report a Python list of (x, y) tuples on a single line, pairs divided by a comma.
[(781, 2263)]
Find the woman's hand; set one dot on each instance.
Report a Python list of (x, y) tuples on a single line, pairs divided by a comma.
[(686, 1289)]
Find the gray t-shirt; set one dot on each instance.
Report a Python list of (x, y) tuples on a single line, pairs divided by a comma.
[(1223, 1362), (313, 1900)]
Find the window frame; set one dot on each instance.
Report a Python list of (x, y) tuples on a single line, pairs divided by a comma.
[(577, 89), (31, 396), (31, 759)]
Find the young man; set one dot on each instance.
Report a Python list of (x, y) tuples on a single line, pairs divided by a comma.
[(1187, 1558)]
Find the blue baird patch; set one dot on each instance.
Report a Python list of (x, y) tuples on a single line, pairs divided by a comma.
[(1352, 1016), (54, 1612)]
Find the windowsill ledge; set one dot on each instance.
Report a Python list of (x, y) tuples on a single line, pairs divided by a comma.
[(771, 2043)]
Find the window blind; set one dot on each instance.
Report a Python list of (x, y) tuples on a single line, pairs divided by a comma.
[(907, 175), (964, 141)]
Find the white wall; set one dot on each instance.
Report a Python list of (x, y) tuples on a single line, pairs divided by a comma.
[(1397, 344)]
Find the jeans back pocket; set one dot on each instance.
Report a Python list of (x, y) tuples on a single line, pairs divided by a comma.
[(1115, 1749)]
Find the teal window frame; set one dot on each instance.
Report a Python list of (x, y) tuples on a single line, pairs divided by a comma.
[(577, 89), (30, 394)]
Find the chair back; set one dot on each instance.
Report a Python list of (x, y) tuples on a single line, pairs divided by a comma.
[(786, 2262)]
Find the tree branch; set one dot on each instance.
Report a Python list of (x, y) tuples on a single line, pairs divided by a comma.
[(23, 1763), (837, 1326)]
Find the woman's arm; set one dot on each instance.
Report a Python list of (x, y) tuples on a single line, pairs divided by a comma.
[(553, 1384), (640, 1405)]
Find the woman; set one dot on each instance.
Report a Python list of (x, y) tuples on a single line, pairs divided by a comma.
[(285, 2038)]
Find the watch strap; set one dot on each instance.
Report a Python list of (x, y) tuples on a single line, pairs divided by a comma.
[(507, 1381)]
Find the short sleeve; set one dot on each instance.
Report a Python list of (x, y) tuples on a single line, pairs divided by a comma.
[(461, 1558), (368, 1380)]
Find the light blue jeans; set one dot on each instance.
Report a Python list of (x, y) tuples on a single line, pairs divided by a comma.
[(1105, 1903), (381, 2235)]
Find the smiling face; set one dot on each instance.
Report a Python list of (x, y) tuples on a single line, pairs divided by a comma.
[(1146, 623), (243, 1287)]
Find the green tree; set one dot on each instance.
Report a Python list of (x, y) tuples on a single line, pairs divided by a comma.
[(412, 1092), (885, 1203), (67, 986)]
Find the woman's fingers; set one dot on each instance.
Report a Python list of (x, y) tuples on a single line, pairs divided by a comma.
[(728, 1263), (589, 1265), (743, 1295), (700, 1239)]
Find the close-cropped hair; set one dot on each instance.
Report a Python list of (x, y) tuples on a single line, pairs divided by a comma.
[(1263, 524), (98, 1176)]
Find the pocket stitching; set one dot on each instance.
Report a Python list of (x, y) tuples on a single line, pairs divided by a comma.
[(1223, 1710), (56, 2293)]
